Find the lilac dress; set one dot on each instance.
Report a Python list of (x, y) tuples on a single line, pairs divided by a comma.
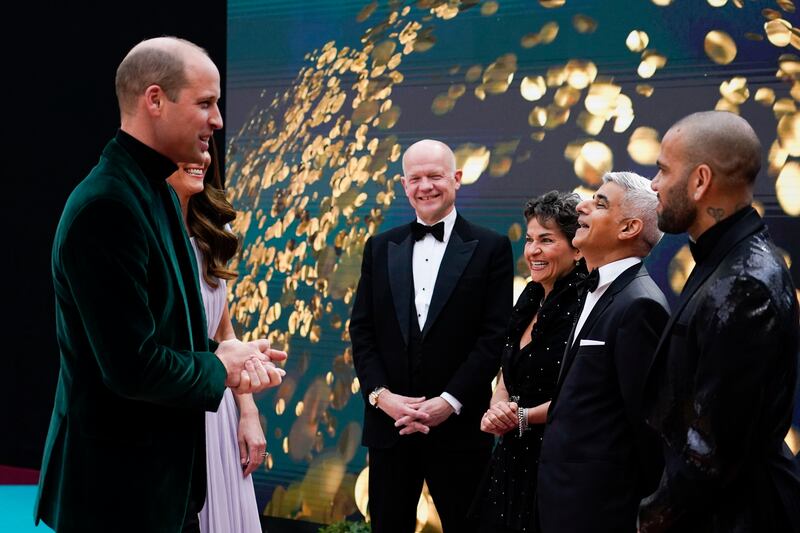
[(231, 500)]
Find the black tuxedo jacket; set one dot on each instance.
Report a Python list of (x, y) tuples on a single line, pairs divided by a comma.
[(598, 460), (461, 340), (721, 391)]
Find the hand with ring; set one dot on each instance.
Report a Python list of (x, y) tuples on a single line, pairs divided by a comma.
[(252, 443), (500, 418)]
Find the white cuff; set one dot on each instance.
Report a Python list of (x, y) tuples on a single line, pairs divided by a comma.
[(449, 398)]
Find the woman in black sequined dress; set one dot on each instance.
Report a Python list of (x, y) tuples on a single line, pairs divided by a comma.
[(537, 334)]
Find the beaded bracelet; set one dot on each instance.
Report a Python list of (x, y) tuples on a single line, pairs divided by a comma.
[(522, 416)]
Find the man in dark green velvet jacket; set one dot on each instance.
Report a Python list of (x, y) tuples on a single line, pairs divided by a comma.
[(126, 446)]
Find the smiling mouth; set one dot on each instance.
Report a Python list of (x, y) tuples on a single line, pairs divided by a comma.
[(429, 197), (196, 172), (538, 264)]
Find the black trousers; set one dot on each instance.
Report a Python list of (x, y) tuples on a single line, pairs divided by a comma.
[(395, 484)]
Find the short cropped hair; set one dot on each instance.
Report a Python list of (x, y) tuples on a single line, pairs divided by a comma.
[(147, 64)]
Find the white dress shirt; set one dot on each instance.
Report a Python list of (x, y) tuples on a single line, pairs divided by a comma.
[(608, 273), (426, 260)]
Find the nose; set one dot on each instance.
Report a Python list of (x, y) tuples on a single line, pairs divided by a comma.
[(655, 181), (215, 117), (583, 207), (425, 184)]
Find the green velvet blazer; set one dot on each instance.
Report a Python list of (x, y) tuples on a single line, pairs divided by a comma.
[(126, 445)]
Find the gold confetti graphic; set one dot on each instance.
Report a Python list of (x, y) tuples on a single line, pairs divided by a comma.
[(315, 168)]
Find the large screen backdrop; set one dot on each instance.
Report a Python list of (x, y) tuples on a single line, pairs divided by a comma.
[(323, 96)]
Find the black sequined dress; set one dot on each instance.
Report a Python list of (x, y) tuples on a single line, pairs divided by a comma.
[(507, 499)]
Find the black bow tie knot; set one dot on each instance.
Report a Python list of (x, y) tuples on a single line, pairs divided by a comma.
[(420, 230), (592, 280)]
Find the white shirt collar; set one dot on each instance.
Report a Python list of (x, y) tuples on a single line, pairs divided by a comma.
[(449, 222), (611, 271)]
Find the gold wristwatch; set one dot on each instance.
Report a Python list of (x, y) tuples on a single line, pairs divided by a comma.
[(373, 396)]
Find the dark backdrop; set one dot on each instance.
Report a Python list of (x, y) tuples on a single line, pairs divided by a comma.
[(59, 89)]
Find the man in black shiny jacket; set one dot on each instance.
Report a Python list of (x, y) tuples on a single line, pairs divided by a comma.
[(721, 388)]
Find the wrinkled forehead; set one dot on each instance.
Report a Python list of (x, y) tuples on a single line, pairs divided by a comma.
[(611, 192), (427, 159)]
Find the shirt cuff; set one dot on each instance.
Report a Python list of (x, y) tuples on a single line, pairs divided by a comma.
[(449, 398)]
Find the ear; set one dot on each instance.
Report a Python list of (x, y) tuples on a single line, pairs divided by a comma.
[(576, 254), (154, 99), (457, 177), (700, 182), (631, 227)]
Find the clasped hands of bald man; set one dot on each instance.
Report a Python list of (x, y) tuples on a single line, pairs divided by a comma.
[(250, 365)]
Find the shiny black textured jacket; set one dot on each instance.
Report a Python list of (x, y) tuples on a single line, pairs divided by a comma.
[(721, 390)]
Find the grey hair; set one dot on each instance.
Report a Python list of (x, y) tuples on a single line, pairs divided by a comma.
[(640, 201)]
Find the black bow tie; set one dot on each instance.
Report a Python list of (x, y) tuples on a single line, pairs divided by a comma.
[(420, 230), (592, 280)]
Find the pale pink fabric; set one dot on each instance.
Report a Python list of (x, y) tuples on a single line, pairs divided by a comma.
[(231, 500)]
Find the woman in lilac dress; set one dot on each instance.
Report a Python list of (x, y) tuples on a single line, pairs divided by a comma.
[(235, 443)]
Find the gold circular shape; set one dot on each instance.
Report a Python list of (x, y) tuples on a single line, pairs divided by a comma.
[(365, 112), (580, 73), (594, 159), (637, 41), (787, 188), (735, 90), (779, 32), (584, 24), (601, 100), (566, 96), (717, 3), (489, 8), (786, 5), (719, 47), (789, 133), (472, 159), (679, 269), (645, 89), (532, 88), (362, 492), (550, 4), (591, 124), (473, 73), (765, 96), (442, 104), (529, 40), (515, 232), (644, 145), (366, 11), (382, 52), (548, 33), (388, 118), (789, 65)]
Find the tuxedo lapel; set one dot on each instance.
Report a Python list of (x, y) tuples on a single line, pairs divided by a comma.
[(599, 308), (455, 260), (401, 280)]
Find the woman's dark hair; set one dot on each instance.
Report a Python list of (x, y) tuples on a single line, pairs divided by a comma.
[(558, 207), (208, 212)]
